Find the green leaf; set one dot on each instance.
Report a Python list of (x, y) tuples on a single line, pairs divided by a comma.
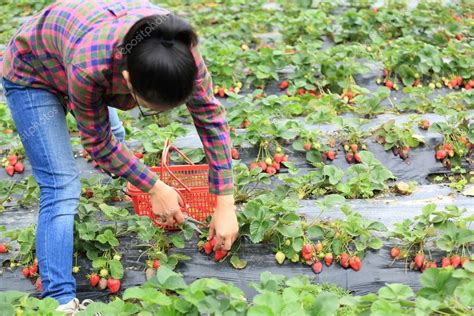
[(116, 269), (238, 263), (375, 243), (168, 279), (396, 292), (290, 230), (177, 240), (147, 295), (325, 304)]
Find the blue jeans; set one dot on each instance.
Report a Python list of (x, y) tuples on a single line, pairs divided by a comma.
[(41, 122)]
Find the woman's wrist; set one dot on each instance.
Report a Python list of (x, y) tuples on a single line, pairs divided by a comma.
[(225, 203), (157, 187)]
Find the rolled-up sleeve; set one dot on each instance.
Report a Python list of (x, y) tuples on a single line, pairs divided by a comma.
[(86, 102), (211, 124)]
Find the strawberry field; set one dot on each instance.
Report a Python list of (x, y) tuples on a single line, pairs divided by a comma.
[(353, 128)]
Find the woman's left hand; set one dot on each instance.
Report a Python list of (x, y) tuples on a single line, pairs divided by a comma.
[(224, 225)]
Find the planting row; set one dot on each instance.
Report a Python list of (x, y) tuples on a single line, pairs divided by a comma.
[(446, 292)]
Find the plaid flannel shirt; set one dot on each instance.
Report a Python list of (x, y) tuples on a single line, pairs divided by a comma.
[(72, 48)]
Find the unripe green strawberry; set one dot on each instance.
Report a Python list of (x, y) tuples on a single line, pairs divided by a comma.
[(280, 257)]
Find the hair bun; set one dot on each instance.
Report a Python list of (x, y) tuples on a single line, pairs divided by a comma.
[(167, 43)]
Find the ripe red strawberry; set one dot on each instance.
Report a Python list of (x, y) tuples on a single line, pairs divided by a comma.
[(19, 167), (271, 170), (276, 165), (354, 148), (12, 159), (213, 242), (317, 267), (113, 285), (301, 91), (278, 157), (26, 272), (284, 85), (445, 262), (235, 153), (331, 155), (424, 124), (355, 263), (349, 157), (431, 264), (318, 247), (221, 92), (219, 255), (88, 194), (441, 154), (453, 83), (94, 279), (10, 170), (395, 252), (357, 157), (245, 123), (33, 269), (138, 154), (459, 36), (39, 285), (389, 84), (344, 260), (208, 248), (419, 260), (328, 258), (156, 264), (307, 256), (455, 261), (262, 165), (253, 165), (307, 248), (3, 248), (307, 146)]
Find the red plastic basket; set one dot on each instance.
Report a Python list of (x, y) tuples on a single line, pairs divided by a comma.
[(190, 181)]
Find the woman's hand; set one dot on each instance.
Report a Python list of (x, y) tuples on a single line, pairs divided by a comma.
[(165, 203), (224, 226)]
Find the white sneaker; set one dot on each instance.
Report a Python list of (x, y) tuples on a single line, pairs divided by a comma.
[(73, 307)]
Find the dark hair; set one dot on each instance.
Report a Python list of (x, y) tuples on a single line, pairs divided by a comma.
[(159, 60)]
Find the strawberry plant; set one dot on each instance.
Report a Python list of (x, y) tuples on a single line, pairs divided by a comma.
[(448, 230), (311, 142), (370, 105), (457, 140), (399, 139)]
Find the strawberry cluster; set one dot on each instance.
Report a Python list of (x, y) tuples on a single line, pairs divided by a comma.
[(102, 281), (13, 165), (421, 263), (352, 152), (208, 248), (269, 165)]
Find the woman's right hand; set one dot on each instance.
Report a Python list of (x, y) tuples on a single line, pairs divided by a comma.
[(165, 203)]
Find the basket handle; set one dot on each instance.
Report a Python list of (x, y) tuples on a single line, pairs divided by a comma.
[(165, 160)]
